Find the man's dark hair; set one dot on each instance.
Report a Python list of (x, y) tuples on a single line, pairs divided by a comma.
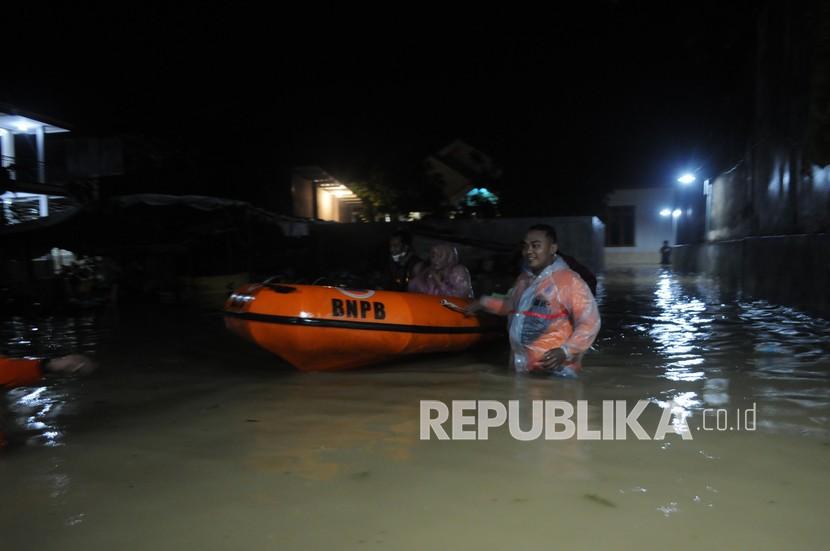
[(547, 229), (404, 236)]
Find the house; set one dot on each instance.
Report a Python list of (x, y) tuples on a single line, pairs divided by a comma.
[(320, 196), (25, 189), (637, 222), (460, 169)]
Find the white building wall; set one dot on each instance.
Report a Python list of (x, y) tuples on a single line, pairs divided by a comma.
[(650, 229), (327, 206)]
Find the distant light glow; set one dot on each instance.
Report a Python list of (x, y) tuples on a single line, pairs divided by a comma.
[(687, 178), (665, 213), (338, 190), (676, 213), (481, 194), (24, 126)]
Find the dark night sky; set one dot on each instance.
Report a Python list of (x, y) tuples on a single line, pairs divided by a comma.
[(617, 93)]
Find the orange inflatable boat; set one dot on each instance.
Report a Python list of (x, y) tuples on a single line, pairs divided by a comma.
[(328, 328)]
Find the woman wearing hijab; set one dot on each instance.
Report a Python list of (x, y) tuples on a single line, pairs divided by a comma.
[(444, 276)]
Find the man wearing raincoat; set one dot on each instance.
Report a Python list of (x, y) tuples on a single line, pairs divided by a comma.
[(553, 317)]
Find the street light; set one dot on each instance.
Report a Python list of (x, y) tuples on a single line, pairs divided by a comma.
[(665, 212), (687, 178)]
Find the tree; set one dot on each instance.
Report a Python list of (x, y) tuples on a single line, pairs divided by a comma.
[(379, 198)]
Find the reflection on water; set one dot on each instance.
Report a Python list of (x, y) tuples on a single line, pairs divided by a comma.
[(714, 349), (187, 426), (53, 336), (676, 329), (33, 407)]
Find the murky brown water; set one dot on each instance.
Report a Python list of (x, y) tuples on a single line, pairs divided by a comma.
[(192, 439)]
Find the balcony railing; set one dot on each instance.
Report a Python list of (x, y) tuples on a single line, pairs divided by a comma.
[(30, 171), (19, 208)]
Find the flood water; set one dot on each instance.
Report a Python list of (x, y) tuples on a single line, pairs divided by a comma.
[(189, 438)]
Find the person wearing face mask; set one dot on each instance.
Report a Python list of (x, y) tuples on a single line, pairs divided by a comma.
[(444, 276), (404, 264), (553, 317)]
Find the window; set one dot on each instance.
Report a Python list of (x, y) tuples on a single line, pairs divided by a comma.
[(619, 231)]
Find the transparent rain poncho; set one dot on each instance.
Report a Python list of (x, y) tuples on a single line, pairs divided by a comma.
[(554, 309)]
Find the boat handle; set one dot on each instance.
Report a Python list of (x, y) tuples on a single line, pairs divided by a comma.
[(452, 306)]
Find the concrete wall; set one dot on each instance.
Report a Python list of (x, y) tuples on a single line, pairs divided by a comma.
[(729, 207), (650, 229), (777, 194), (768, 218), (787, 269), (327, 206), (302, 193), (580, 236), (781, 186), (361, 247)]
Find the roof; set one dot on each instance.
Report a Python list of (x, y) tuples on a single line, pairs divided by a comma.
[(18, 121)]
